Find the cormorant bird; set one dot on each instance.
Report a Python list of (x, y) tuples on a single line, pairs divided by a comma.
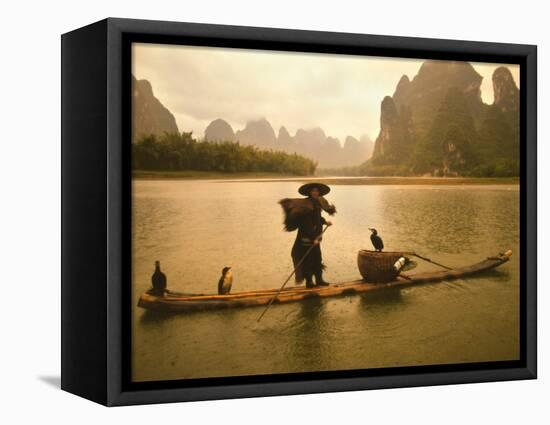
[(158, 280), (225, 282), (376, 240)]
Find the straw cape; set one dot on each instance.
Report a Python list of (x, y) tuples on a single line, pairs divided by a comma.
[(294, 208)]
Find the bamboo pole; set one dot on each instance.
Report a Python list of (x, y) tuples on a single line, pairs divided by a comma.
[(431, 261), (292, 274)]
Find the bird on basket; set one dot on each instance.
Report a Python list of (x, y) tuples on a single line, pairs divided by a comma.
[(376, 240)]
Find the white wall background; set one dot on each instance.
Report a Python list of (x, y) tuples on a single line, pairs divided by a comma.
[(30, 212)]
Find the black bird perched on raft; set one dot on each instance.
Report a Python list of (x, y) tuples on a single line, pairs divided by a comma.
[(158, 280), (376, 240), (225, 282)]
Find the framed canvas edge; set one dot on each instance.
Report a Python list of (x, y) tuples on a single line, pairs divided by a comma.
[(530, 138), (116, 394), (83, 212), (316, 386)]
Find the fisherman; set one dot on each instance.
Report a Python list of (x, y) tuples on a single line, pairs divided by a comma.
[(305, 216)]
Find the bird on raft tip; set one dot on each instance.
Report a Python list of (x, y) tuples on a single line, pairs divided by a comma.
[(376, 240), (158, 280), (226, 281)]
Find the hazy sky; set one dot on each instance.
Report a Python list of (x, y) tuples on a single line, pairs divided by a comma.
[(341, 94)]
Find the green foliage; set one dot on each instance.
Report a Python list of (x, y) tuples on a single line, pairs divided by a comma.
[(448, 142), (181, 152), (500, 167), (371, 168), (499, 135), (456, 139), (497, 147), (454, 144)]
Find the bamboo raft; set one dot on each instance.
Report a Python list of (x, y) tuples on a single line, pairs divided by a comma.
[(175, 302)]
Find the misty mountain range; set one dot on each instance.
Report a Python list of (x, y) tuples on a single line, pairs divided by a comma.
[(435, 124), (151, 117), (312, 143)]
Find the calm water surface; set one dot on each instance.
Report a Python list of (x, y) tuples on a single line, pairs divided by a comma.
[(195, 228)]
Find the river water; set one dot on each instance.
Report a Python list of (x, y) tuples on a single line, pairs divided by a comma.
[(195, 228)]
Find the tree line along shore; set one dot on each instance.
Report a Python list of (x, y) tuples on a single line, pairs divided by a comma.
[(180, 156), (181, 153)]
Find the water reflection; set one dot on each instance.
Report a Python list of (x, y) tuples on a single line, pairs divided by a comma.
[(384, 298), (154, 318)]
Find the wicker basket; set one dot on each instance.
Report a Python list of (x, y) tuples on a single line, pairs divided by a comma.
[(377, 267)]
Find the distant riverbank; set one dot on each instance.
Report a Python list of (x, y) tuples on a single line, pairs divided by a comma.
[(258, 176), (413, 181), (204, 175)]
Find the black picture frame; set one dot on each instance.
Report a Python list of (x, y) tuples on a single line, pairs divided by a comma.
[(96, 206)]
